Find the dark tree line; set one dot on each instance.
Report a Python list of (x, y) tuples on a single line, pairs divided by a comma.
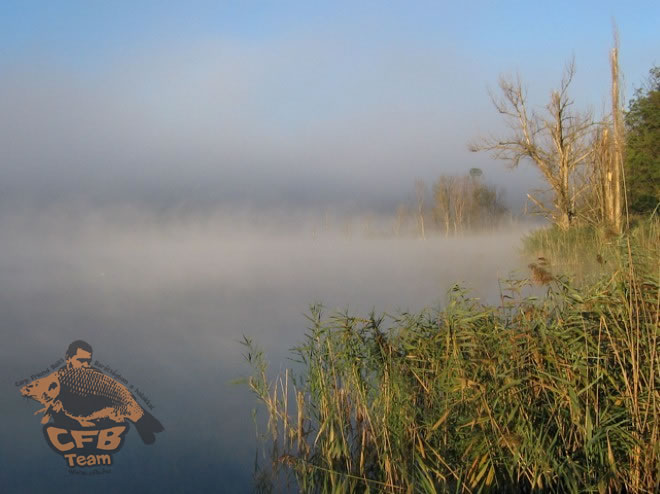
[(642, 159)]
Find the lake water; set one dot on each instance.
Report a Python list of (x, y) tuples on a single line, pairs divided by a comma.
[(165, 302)]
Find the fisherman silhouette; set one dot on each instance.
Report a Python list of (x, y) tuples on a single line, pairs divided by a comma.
[(79, 354)]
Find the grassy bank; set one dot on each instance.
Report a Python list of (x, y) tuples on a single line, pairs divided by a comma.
[(537, 395), (586, 253)]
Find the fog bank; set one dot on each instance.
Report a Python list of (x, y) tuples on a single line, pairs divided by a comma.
[(165, 300)]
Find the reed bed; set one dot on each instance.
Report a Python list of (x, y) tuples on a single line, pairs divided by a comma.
[(551, 394), (587, 252)]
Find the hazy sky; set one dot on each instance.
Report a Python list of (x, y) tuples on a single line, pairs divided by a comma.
[(282, 102)]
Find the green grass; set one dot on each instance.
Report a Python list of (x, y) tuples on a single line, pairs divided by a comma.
[(587, 252), (558, 394)]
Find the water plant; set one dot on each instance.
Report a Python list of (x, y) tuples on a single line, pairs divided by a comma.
[(551, 394)]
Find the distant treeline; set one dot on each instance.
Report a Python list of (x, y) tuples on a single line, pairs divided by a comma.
[(457, 203)]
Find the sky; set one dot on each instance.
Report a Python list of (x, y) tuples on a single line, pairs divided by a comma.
[(283, 104)]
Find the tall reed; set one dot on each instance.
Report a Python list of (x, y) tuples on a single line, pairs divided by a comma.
[(558, 394)]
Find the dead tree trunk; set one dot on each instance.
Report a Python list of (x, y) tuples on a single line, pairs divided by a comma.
[(556, 144), (442, 196), (615, 173), (420, 187)]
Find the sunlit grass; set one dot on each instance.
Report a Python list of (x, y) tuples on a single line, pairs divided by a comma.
[(587, 252)]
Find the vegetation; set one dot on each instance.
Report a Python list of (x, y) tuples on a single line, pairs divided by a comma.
[(642, 162), (554, 394), (459, 203), (582, 159), (586, 252), (465, 203), (556, 142)]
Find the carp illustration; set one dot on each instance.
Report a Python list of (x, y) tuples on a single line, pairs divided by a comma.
[(87, 395)]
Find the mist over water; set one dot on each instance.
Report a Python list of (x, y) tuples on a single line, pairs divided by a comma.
[(165, 300)]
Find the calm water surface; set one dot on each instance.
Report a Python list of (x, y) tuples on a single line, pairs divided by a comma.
[(166, 302)]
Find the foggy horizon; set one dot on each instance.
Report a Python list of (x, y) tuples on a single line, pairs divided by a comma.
[(345, 111)]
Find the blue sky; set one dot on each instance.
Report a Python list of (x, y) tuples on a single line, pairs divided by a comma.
[(258, 98), (82, 33)]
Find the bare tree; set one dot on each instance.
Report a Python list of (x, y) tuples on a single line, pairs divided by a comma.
[(442, 195), (460, 193), (420, 188), (401, 214), (604, 177), (595, 207), (465, 202), (555, 142)]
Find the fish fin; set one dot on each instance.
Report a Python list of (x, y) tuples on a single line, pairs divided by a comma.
[(147, 426)]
